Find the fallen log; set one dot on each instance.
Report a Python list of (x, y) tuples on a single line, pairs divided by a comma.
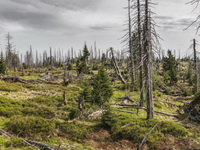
[(168, 103), (25, 81), (14, 79), (42, 145), (158, 112), (5, 134), (8, 135)]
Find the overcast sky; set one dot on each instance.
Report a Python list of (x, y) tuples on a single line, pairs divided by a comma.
[(69, 23)]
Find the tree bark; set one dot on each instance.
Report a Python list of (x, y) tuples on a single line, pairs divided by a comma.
[(140, 54), (195, 67), (148, 63), (131, 46)]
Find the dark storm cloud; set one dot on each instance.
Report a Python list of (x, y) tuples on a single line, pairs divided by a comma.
[(33, 14)]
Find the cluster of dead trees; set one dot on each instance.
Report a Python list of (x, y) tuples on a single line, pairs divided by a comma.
[(141, 40)]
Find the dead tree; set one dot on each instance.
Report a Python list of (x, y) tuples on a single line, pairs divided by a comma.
[(140, 53), (81, 104), (116, 67), (196, 21), (195, 67), (131, 46), (148, 61), (65, 78)]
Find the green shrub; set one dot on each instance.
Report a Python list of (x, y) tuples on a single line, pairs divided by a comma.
[(125, 126), (9, 108), (75, 130), (167, 91), (108, 119), (158, 82), (158, 105), (10, 111), (49, 101), (10, 87), (16, 142), (74, 113), (2, 141), (40, 111), (36, 127), (186, 92), (173, 129), (28, 148)]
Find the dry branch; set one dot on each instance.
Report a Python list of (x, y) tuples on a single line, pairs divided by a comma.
[(145, 138)]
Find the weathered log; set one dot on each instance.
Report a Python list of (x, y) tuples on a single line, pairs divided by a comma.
[(14, 79), (168, 103), (158, 112), (4, 133), (42, 145), (25, 81), (126, 98), (8, 135), (96, 114)]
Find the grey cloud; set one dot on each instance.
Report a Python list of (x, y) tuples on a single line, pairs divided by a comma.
[(72, 4), (104, 27), (169, 23), (66, 4), (163, 17), (33, 16)]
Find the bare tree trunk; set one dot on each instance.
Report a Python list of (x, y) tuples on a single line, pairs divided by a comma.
[(140, 54), (116, 67), (148, 63), (196, 67), (131, 46), (65, 79)]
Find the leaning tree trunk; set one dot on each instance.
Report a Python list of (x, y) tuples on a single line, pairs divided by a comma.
[(116, 67)]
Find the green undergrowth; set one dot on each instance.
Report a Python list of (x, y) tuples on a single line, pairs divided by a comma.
[(32, 127), (135, 128), (74, 130), (10, 87)]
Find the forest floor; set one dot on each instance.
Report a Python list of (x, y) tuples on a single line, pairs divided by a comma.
[(43, 100)]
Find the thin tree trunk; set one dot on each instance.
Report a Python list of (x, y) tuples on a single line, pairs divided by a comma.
[(131, 46), (148, 63), (196, 67), (140, 54)]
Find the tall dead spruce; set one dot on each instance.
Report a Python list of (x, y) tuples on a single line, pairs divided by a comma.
[(148, 61)]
